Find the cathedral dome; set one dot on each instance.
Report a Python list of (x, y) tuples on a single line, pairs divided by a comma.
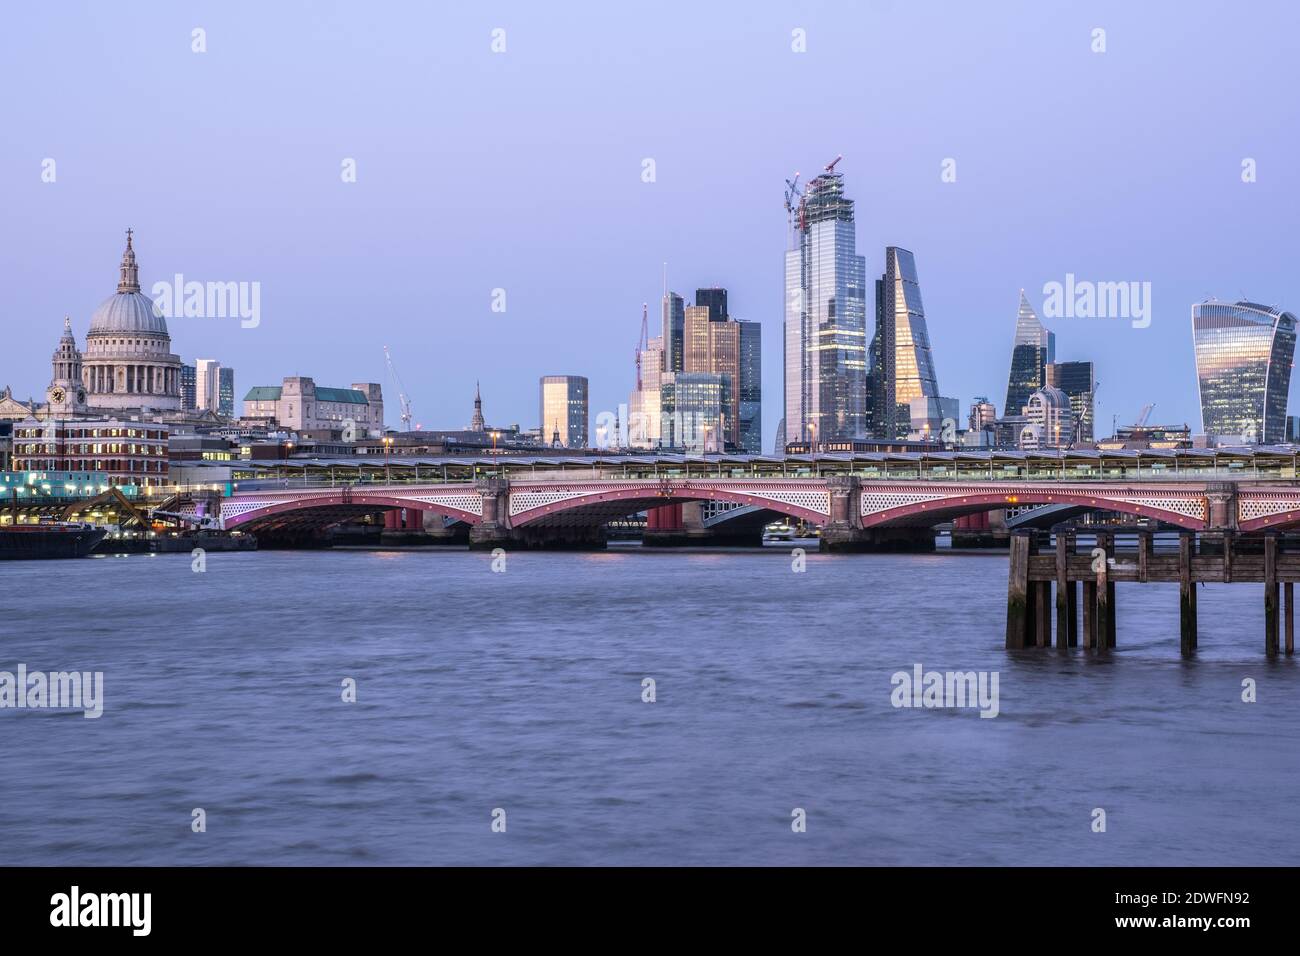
[(129, 310)]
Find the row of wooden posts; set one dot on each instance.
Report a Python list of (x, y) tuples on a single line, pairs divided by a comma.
[(1223, 557)]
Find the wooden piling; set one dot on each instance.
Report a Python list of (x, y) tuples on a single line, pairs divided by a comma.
[(1064, 591), (1073, 640), (1288, 615), (1144, 555), (1089, 614), (1043, 614), (1103, 618), (1018, 593), (1186, 597), (1270, 595)]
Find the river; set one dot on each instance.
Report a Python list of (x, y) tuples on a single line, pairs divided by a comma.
[(521, 691)]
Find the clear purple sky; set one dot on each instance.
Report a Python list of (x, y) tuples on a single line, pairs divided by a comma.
[(523, 171)]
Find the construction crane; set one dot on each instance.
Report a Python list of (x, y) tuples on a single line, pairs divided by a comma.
[(830, 167), (402, 397), (792, 193), (643, 342), (1144, 415)]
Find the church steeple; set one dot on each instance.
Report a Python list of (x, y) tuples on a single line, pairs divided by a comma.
[(130, 281), (477, 424)]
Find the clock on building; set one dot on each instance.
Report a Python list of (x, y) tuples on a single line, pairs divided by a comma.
[(57, 395)]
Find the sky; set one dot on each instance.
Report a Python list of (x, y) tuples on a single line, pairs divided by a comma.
[(523, 171)]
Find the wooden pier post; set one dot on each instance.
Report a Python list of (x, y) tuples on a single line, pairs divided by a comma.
[(1288, 615), (1064, 591), (1043, 609), (1073, 640), (1104, 619), (1270, 595), (1186, 597), (1144, 555), (1018, 593), (1089, 614)]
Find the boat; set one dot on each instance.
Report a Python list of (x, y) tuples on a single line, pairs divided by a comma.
[(780, 531), (52, 540)]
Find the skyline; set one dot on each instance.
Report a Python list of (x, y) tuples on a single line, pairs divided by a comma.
[(357, 263)]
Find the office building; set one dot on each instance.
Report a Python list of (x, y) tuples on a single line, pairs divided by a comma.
[(562, 406), (1033, 348), (1078, 382), (1243, 369), (825, 335)]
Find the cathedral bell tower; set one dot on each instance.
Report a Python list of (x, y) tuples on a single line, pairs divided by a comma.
[(67, 391)]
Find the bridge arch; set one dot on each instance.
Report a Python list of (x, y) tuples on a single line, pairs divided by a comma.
[(1136, 502), (540, 506), (324, 509)]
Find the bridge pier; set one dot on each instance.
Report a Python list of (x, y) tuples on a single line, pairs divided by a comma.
[(493, 531)]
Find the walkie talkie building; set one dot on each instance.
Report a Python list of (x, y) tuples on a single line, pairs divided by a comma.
[(1243, 369)]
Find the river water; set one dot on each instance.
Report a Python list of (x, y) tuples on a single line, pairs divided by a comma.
[(521, 691)]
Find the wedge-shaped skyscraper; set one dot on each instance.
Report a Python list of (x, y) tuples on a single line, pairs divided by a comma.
[(1033, 350), (1243, 369)]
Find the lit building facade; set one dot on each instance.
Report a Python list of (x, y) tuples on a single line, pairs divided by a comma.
[(694, 406), (902, 364), (645, 406), (1033, 348), (127, 452), (825, 340), (1243, 369), (562, 406), (713, 347)]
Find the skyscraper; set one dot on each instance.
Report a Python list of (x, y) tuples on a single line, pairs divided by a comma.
[(644, 405), (694, 407), (187, 377), (713, 348), (751, 387), (1077, 381), (563, 409), (226, 392), (207, 384), (673, 318), (1243, 368), (715, 300), (1033, 349), (901, 360), (825, 341)]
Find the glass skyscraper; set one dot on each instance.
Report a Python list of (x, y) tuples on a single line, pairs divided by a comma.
[(694, 405), (902, 363), (673, 317), (825, 341), (1243, 369), (563, 410), (715, 300), (751, 387), (1033, 350)]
